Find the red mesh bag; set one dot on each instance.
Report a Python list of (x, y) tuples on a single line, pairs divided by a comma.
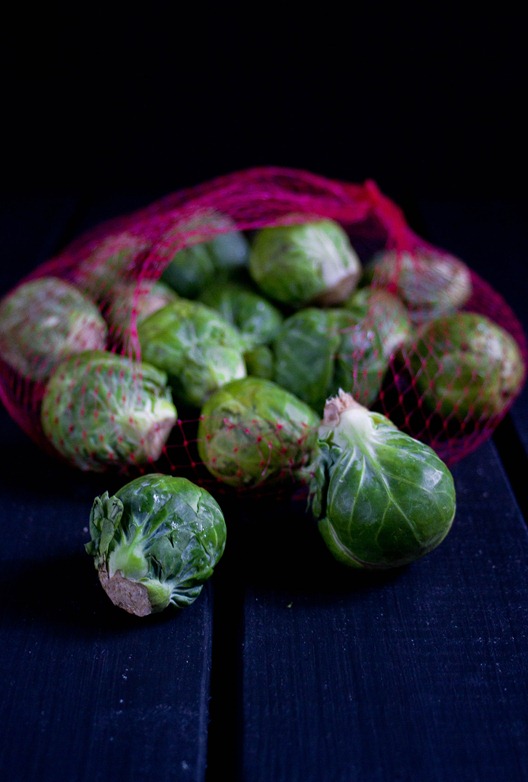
[(411, 331)]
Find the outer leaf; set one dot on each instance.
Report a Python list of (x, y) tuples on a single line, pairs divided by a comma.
[(256, 318), (304, 355)]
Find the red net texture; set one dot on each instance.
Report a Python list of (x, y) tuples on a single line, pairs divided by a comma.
[(447, 384)]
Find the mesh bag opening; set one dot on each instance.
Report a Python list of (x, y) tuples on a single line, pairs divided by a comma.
[(93, 373)]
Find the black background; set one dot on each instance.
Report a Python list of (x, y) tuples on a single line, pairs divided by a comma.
[(425, 99)]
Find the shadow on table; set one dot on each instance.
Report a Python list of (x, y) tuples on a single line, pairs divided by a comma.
[(277, 546), (64, 593)]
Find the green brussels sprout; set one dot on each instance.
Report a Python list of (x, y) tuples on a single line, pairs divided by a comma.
[(216, 249), (311, 263), (304, 354), (108, 261), (197, 348), (155, 542), (256, 318), (381, 498), (430, 283), (43, 321), (130, 302), (317, 351), (465, 365), (253, 432), (102, 410)]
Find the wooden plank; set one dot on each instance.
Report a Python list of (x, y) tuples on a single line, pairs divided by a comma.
[(89, 692), (415, 674)]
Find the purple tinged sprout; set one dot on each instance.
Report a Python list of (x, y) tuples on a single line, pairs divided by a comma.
[(380, 311), (429, 282), (45, 320), (466, 366), (129, 303), (112, 259)]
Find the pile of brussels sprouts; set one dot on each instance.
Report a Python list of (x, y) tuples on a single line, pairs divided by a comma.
[(277, 344)]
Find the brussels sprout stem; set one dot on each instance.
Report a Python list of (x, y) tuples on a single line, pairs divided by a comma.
[(337, 405), (132, 596), (344, 409)]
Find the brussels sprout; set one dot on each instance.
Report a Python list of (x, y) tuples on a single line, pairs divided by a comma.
[(155, 542), (381, 498), (130, 302), (216, 250), (303, 264), (43, 321), (466, 365), (430, 283), (103, 410), (383, 312), (190, 271), (195, 346), (317, 351), (107, 261), (257, 319), (304, 354), (253, 432)]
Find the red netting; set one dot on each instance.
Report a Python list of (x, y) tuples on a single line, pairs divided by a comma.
[(444, 387)]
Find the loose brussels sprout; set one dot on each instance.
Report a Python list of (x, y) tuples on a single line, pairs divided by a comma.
[(206, 259), (317, 351), (155, 542), (108, 261), (381, 498), (130, 302), (303, 264), (429, 283), (466, 365), (43, 321), (253, 432), (195, 346), (103, 410), (256, 318)]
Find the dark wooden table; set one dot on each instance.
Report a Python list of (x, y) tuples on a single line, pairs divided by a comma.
[(286, 669)]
